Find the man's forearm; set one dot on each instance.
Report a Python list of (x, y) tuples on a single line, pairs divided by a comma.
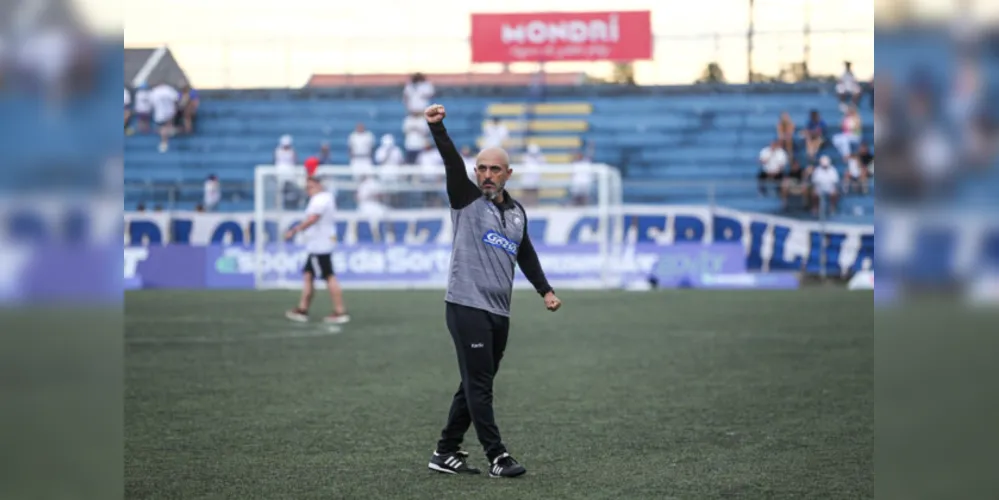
[(446, 148), (536, 276), (530, 265), (302, 226), (460, 190)]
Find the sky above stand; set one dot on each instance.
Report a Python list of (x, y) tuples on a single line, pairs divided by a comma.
[(264, 43)]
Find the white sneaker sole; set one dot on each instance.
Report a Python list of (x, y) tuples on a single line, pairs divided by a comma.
[(298, 318), (339, 320), (507, 477), (497, 476), (438, 468)]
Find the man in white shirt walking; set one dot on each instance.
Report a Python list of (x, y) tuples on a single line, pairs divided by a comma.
[(319, 232)]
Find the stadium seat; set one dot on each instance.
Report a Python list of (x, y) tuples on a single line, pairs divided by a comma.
[(688, 137), (558, 108)]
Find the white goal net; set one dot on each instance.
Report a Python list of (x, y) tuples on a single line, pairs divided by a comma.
[(394, 227)]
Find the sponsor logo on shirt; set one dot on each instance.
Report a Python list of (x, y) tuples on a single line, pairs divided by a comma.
[(499, 241)]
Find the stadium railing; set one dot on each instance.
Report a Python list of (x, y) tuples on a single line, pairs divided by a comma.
[(736, 193)]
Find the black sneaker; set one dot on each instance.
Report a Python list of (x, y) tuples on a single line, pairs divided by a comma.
[(505, 466), (451, 463)]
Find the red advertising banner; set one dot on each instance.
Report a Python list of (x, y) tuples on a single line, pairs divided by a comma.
[(562, 36)]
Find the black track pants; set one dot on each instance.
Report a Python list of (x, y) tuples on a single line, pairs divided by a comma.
[(479, 339)]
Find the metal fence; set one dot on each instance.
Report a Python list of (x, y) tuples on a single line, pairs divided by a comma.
[(712, 194)]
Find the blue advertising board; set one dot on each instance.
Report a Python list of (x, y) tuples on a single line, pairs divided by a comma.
[(231, 267)]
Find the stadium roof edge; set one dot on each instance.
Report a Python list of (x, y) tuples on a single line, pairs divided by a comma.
[(519, 91)]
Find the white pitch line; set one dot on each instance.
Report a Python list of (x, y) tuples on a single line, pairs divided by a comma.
[(327, 331), (204, 320)]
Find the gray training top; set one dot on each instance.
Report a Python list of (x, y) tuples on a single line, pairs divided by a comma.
[(490, 239)]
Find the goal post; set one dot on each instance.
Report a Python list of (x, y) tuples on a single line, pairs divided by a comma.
[(411, 220)]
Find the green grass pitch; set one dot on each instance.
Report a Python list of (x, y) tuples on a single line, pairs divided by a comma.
[(674, 394)]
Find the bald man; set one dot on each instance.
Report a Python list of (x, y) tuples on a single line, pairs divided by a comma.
[(490, 240)]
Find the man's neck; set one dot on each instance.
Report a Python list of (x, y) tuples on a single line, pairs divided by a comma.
[(498, 199)]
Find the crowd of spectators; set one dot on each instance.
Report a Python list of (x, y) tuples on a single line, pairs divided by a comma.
[(171, 111), (816, 177), (375, 162)]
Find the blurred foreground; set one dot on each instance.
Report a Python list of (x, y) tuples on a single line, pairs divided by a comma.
[(937, 246), (60, 289)]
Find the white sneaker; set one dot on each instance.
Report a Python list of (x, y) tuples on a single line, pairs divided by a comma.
[(505, 466), (297, 315), (337, 319)]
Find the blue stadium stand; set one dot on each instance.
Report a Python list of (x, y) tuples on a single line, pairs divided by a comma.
[(681, 134)]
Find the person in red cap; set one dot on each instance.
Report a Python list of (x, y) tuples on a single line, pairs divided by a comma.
[(311, 164)]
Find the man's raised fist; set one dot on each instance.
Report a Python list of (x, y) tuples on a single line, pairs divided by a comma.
[(435, 113)]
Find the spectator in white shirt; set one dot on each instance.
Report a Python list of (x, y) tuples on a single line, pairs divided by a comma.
[(284, 154), (213, 193), (360, 145), (530, 177), (165, 99), (856, 175), (417, 94), (388, 156), (49, 53), (285, 160), (848, 88), (825, 183), (370, 199), (852, 130), (494, 134), (773, 160), (371, 206), (417, 135), (143, 107)]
